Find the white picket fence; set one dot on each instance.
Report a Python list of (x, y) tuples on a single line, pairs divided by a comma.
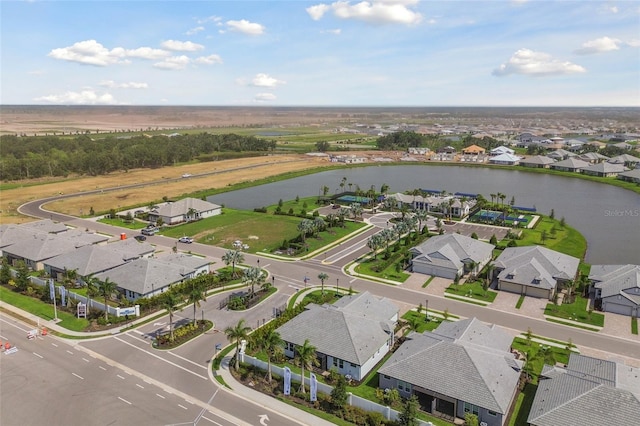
[(353, 400)]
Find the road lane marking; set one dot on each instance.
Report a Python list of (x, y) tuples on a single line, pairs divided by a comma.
[(102, 368), (186, 400), (207, 418), (120, 376), (79, 377), (160, 396), (54, 345), (124, 400), (162, 359), (182, 406), (140, 386), (188, 360), (38, 355), (69, 352), (85, 360)]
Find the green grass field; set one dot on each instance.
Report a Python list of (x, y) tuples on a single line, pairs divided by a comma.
[(566, 239), (576, 311)]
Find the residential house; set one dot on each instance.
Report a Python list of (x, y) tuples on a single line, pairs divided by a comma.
[(461, 208), (418, 150), (460, 367), (625, 159), (199, 265), (93, 259), (623, 145), (146, 277), (473, 150), (604, 170), (570, 165), (592, 157), (446, 150), (526, 139), (352, 335), (588, 391), (505, 159), (185, 210), (37, 247), (46, 225), (616, 288), (537, 161), (630, 176), (560, 154), (501, 150), (450, 255), (533, 270)]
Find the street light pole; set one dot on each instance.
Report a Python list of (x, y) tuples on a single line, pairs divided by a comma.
[(337, 282), (273, 280)]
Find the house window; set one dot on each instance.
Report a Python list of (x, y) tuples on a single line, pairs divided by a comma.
[(290, 346), (353, 365), (404, 386), (492, 413), (386, 377), (338, 363), (470, 408)]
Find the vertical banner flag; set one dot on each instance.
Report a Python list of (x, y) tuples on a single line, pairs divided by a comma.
[(287, 381), (52, 289), (313, 385), (63, 295)]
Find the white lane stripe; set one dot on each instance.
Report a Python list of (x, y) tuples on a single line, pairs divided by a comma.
[(102, 368), (182, 406), (124, 400), (140, 386), (120, 376), (188, 360), (38, 355), (79, 377), (69, 352), (160, 396), (85, 360), (162, 359), (54, 345), (207, 418)]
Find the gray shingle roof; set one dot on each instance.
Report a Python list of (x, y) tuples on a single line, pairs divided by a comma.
[(614, 279), (537, 159), (605, 168), (459, 361), (46, 225), (635, 173), (571, 163), (184, 260), (368, 306), (524, 264), (40, 246), (584, 393), (452, 250), (145, 275), (181, 207)]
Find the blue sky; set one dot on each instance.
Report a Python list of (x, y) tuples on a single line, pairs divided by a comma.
[(314, 53)]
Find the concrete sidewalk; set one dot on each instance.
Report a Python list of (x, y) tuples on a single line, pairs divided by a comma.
[(268, 403)]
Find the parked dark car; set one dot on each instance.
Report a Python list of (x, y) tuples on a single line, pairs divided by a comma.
[(140, 238)]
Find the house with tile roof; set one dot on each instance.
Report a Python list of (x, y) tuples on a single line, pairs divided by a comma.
[(560, 154), (604, 169), (588, 391), (352, 335), (625, 159), (93, 259), (505, 159), (501, 150), (533, 271), (46, 225), (630, 176), (184, 210), (450, 255), (593, 157), (537, 161), (146, 277), (460, 367), (616, 288), (570, 165)]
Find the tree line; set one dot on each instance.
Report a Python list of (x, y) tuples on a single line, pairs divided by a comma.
[(52, 156)]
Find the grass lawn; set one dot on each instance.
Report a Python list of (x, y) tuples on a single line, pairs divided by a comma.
[(388, 273), (576, 311), (426, 283), (523, 405), (135, 224), (262, 232), (634, 325), (473, 290), (561, 355), (520, 301), (423, 324), (566, 239), (42, 309)]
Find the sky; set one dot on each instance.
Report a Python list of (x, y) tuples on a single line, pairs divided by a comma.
[(316, 53)]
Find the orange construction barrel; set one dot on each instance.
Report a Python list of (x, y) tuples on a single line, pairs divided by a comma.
[(123, 236), (7, 346), (44, 331)]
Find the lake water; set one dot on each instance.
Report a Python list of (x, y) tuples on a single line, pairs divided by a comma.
[(608, 217)]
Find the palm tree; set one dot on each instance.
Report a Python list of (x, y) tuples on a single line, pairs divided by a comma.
[(272, 344), (384, 188), (374, 243), (356, 210), (502, 197), (253, 276), (307, 354), (493, 196), (319, 225), (233, 257), (237, 333), (421, 215), (170, 303), (342, 213), (106, 288), (304, 227), (196, 295), (322, 276)]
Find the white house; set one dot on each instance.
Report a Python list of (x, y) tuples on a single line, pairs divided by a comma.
[(185, 210)]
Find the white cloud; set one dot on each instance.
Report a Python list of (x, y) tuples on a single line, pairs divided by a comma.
[(88, 52), (528, 62), (182, 46), (130, 85), (337, 31), (634, 43), (264, 80), (209, 60), (84, 97), (141, 53), (246, 27), (602, 44), (317, 12), (212, 18), (173, 63), (36, 72), (375, 12), (194, 30), (265, 97)]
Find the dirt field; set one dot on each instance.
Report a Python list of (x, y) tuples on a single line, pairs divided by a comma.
[(262, 167)]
